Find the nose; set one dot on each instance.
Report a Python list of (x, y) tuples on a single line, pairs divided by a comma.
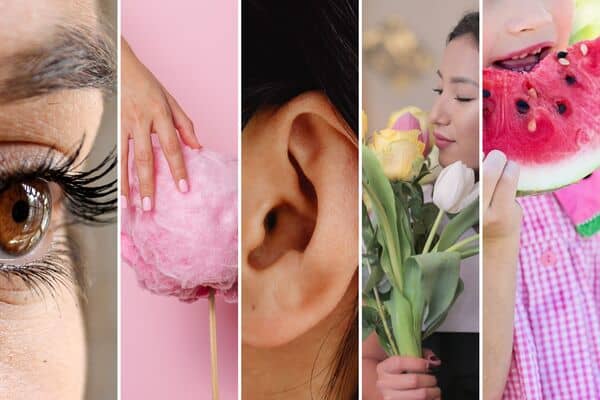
[(439, 115), (531, 17)]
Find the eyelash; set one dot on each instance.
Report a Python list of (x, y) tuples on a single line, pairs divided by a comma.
[(88, 200), (458, 98)]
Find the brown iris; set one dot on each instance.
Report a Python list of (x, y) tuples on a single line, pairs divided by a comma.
[(24, 216)]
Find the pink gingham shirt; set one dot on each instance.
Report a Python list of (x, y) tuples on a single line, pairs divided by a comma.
[(556, 350)]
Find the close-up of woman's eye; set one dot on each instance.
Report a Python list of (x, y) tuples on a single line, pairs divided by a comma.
[(25, 214), (438, 91)]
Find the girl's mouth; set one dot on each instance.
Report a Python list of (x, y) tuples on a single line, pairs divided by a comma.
[(524, 60)]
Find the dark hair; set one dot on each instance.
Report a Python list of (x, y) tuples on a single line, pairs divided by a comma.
[(468, 25), (291, 47)]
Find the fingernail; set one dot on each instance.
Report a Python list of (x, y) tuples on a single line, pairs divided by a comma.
[(123, 202), (183, 186), (146, 204), (497, 157)]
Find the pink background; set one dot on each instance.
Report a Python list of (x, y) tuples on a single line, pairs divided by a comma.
[(191, 47)]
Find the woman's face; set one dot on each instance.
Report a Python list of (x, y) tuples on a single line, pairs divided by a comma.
[(455, 112), (524, 30), (42, 341)]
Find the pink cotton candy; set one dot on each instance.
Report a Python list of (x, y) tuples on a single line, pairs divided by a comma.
[(187, 245)]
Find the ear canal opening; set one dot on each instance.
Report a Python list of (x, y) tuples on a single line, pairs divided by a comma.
[(286, 228)]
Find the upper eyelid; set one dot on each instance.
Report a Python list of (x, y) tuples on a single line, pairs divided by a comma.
[(97, 204)]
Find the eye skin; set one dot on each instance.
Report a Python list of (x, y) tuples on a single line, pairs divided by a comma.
[(462, 99)]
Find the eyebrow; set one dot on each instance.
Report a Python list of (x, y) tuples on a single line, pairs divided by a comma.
[(460, 79), (77, 58)]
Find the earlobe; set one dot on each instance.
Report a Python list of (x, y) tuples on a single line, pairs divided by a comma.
[(299, 218)]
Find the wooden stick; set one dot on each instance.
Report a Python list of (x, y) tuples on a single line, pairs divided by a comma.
[(213, 345)]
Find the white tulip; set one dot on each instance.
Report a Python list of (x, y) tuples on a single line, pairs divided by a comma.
[(455, 188)]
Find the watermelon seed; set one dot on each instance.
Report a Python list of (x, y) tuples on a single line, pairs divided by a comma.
[(532, 93), (562, 108), (561, 54), (583, 48), (486, 93), (532, 126), (570, 79), (563, 61), (522, 106)]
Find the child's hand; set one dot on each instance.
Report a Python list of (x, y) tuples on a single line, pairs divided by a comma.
[(501, 213), (408, 378), (148, 108)]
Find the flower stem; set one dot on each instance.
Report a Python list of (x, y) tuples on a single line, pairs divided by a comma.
[(471, 251), (433, 231), (456, 246), (383, 319)]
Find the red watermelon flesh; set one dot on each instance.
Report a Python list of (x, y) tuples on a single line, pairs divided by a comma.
[(547, 120)]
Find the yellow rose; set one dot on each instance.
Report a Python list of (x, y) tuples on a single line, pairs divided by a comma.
[(410, 118), (399, 152)]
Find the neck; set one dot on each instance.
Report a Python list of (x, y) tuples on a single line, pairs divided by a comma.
[(300, 369)]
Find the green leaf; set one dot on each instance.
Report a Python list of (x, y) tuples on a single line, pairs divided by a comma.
[(433, 324), (413, 291), (371, 254), (402, 325), (379, 190), (440, 274), (458, 225), (369, 321)]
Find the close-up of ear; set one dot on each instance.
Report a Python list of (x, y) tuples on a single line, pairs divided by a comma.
[(299, 218)]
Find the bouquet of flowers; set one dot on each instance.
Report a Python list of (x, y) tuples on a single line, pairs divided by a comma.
[(411, 266)]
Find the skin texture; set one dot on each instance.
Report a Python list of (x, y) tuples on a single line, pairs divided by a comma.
[(42, 341), (454, 119), (509, 25), (298, 246), (458, 121), (148, 108), (397, 377)]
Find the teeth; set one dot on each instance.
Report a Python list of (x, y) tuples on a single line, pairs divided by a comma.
[(524, 55)]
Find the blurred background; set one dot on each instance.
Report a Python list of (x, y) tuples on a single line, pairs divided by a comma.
[(403, 42), (99, 250), (587, 20)]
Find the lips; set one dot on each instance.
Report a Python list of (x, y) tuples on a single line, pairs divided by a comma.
[(524, 60), (442, 141)]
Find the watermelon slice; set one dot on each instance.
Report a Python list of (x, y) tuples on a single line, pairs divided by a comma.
[(547, 120)]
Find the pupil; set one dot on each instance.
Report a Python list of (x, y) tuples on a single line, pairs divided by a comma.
[(20, 211)]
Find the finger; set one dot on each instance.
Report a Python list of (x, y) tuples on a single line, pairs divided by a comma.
[(184, 125), (492, 167), (398, 365), (144, 165), (169, 142), (416, 394), (124, 169), (506, 189), (405, 381), (432, 358)]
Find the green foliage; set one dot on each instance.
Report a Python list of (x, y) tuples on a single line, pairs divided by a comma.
[(423, 286)]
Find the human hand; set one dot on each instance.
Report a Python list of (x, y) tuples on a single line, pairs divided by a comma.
[(147, 107), (400, 378)]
